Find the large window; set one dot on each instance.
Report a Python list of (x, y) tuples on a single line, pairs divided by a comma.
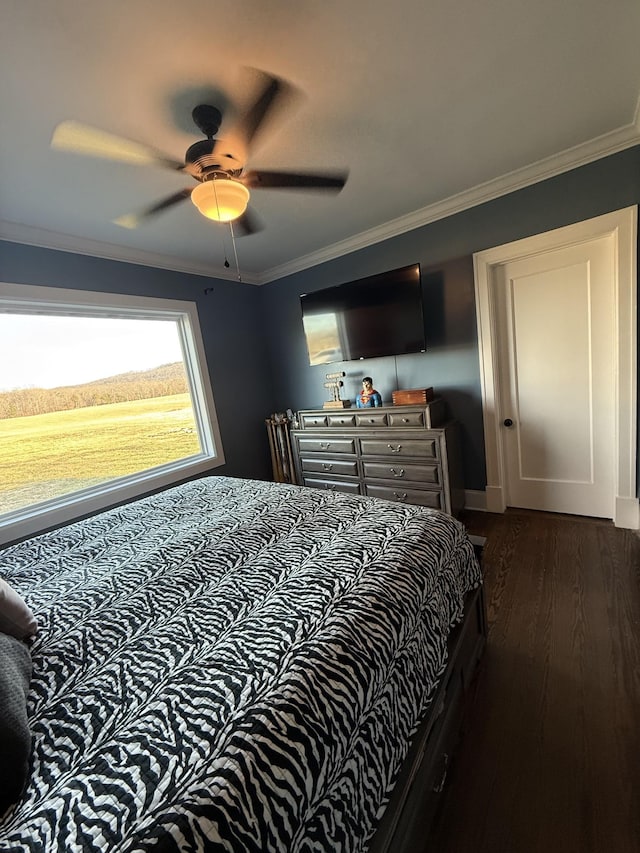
[(102, 398)]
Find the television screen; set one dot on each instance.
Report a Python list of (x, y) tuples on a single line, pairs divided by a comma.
[(372, 317)]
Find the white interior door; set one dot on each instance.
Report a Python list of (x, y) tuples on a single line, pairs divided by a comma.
[(556, 333), (620, 226)]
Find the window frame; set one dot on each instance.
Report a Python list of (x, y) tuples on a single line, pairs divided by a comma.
[(34, 299)]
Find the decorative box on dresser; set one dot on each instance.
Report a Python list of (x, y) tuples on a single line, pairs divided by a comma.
[(401, 453)]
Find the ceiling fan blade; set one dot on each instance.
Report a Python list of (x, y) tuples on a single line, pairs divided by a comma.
[(272, 95), (93, 142), (248, 223), (133, 220), (255, 180)]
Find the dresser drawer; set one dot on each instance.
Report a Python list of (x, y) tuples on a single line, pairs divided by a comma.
[(406, 419), (327, 445), (397, 471), (423, 497), (342, 420), (400, 447), (317, 420), (346, 467), (332, 485), (371, 419)]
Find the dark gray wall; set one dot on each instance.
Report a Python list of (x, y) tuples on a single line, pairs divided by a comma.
[(452, 366), (231, 326)]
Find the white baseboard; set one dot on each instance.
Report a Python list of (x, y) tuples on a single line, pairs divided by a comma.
[(476, 500), (627, 513), (627, 510)]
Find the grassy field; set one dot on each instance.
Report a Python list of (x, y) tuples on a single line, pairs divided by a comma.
[(44, 456)]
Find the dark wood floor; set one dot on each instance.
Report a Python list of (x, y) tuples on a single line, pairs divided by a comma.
[(550, 755)]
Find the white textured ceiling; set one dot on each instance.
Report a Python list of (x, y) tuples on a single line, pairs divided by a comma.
[(432, 105)]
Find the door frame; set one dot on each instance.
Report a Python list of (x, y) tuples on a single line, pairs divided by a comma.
[(622, 225)]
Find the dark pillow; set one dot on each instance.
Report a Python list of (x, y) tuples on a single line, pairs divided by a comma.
[(16, 617), (15, 735)]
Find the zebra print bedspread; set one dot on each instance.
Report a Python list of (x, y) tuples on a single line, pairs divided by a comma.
[(230, 665)]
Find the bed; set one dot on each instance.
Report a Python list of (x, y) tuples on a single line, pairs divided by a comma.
[(232, 665)]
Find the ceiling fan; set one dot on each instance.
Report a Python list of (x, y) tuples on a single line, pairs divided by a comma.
[(218, 165)]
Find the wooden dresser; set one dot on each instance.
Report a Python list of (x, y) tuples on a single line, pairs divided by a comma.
[(400, 453)]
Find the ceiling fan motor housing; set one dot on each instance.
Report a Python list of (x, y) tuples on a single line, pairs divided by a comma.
[(202, 159)]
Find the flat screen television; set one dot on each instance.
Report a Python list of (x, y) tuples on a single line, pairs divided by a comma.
[(368, 318)]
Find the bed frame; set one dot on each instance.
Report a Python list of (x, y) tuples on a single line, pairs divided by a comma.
[(405, 824)]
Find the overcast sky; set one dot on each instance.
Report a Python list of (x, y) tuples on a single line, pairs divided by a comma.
[(44, 352)]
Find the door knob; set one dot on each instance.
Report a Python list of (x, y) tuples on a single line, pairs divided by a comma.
[(508, 422)]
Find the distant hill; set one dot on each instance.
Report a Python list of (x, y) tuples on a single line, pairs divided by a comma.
[(163, 381), (163, 373)]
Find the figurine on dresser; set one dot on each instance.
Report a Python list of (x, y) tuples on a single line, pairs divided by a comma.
[(368, 397)]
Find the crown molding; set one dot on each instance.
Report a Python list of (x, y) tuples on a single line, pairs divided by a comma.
[(28, 235), (580, 155), (571, 158)]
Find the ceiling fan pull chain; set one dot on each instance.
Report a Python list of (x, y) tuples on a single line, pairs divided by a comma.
[(233, 243), (224, 250)]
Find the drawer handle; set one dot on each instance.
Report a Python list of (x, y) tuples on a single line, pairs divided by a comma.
[(327, 466), (438, 787), (395, 449), (330, 486), (405, 420), (400, 496), (397, 472), (372, 420), (325, 445)]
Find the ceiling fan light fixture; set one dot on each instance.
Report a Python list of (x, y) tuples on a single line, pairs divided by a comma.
[(221, 199)]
